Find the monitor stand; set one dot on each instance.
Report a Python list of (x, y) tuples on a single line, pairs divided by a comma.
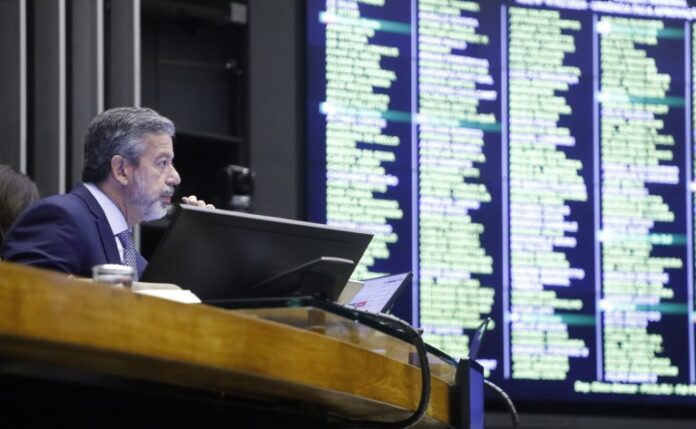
[(319, 277)]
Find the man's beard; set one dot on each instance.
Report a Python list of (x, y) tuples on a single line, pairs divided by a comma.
[(149, 207)]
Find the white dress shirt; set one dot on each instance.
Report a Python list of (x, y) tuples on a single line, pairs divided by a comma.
[(114, 216)]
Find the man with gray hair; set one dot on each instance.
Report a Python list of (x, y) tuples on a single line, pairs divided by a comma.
[(129, 177)]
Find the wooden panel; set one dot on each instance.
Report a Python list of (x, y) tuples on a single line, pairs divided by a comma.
[(13, 84), (53, 319), (86, 78), (48, 100), (123, 87)]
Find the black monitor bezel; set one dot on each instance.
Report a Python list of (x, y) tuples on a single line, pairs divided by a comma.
[(201, 250)]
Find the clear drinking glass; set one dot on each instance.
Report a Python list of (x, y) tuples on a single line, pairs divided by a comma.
[(114, 274)]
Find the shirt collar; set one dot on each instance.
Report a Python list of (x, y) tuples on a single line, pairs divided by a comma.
[(114, 216)]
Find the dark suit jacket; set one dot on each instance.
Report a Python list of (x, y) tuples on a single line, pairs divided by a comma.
[(68, 233)]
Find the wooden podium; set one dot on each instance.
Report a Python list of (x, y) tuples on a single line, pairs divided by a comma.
[(73, 349)]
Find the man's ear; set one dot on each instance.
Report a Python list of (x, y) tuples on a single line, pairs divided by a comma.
[(119, 169)]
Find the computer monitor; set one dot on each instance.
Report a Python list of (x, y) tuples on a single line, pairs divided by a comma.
[(219, 254), (378, 294)]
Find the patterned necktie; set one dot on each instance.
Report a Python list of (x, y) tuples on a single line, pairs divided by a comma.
[(130, 255)]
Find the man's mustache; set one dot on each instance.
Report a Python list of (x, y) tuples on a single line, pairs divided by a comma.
[(168, 192)]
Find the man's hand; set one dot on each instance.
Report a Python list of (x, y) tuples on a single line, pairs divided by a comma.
[(193, 201)]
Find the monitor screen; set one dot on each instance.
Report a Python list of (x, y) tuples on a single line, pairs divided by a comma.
[(378, 294), (219, 254), (531, 161)]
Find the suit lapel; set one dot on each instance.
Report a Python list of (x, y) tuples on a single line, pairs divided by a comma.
[(105, 234)]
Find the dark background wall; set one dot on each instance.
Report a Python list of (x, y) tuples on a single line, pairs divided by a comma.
[(275, 106), (225, 72)]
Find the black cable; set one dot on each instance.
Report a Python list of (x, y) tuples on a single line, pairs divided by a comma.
[(386, 323), (417, 340), (511, 407)]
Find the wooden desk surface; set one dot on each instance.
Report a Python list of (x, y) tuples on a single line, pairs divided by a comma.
[(48, 318)]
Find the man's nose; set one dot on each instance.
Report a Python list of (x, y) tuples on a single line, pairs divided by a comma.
[(174, 178)]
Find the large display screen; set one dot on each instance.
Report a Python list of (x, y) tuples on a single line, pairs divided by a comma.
[(531, 161)]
